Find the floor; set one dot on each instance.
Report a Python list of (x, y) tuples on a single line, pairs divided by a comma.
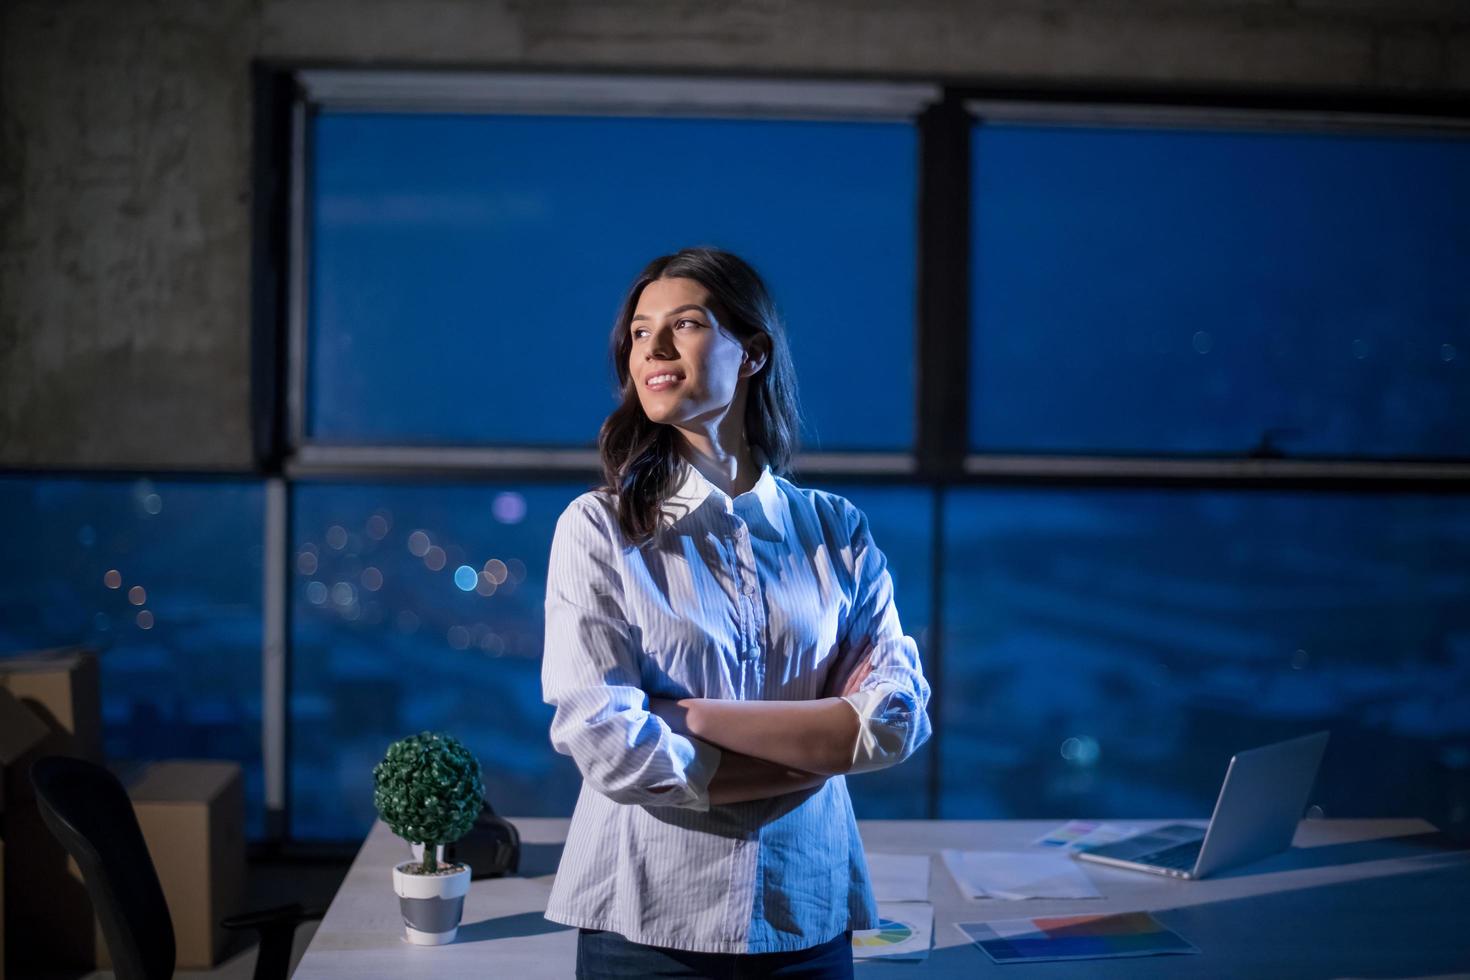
[(270, 882)]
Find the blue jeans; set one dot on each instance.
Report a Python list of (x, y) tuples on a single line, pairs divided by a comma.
[(604, 955)]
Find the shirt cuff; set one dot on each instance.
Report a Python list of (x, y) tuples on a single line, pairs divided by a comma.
[(698, 772), (878, 744)]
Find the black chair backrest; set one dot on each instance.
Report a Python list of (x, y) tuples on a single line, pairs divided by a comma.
[(88, 810)]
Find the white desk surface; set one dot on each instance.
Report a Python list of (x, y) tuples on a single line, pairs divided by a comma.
[(1353, 898)]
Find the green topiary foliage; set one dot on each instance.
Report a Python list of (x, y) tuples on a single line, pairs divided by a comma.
[(428, 790)]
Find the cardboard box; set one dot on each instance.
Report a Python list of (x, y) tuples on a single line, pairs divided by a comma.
[(192, 814), (45, 899), (61, 688), (21, 732), (21, 736)]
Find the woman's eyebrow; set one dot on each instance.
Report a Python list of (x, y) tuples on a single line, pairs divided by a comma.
[(678, 309)]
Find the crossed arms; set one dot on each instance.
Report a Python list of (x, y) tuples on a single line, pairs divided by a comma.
[(770, 747), (697, 752)]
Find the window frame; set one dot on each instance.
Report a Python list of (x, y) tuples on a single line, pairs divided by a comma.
[(1337, 472), (944, 110), (523, 93)]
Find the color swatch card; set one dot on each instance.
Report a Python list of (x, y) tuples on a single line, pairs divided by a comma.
[(1077, 834), (1074, 937), (903, 933), (899, 877), (1018, 875)]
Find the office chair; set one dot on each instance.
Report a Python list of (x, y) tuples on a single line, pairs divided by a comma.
[(89, 811)]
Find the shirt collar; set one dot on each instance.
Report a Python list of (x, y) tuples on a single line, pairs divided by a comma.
[(694, 491)]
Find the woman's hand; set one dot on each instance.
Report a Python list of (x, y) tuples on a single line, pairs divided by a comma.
[(855, 679), (672, 712)]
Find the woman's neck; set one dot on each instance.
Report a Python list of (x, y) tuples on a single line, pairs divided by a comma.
[(731, 466)]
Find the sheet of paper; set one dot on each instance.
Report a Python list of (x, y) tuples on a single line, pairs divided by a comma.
[(904, 933), (1074, 937), (899, 877), (1018, 875), (1076, 834)]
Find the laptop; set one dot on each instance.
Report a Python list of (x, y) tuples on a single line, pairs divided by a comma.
[(1262, 799)]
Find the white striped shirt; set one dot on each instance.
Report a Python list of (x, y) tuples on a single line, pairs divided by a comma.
[(770, 595)]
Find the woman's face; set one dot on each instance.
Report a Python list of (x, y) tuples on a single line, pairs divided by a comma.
[(678, 344)]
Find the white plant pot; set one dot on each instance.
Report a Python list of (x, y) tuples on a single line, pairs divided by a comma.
[(431, 904)]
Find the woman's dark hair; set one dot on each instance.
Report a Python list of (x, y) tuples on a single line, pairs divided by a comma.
[(640, 458)]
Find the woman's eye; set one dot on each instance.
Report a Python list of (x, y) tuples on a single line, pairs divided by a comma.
[(677, 323)]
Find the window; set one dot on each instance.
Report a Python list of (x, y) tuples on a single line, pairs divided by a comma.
[(1162, 291), (466, 270), (1202, 285), (419, 608), (1107, 650), (163, 579)]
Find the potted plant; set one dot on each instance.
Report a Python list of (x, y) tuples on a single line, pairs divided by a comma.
[(428, 790)]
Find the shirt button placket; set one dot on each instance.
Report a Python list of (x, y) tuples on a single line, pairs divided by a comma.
[(745, 565)]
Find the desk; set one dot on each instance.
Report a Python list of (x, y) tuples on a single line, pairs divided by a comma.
[(1352, 898)]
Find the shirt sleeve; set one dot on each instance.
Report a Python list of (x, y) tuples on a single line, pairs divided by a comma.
[(589, 675), (892, 703)]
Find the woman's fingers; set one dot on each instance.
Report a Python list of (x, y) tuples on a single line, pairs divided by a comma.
[(837, 684), (855, 682), (863, 669), (671, 712)]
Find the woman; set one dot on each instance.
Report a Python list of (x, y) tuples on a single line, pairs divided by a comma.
[(721, 647)]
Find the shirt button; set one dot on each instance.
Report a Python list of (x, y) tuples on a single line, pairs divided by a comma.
[(750, 590)]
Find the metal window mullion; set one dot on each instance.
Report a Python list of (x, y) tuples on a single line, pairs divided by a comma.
[(1161, 115), (510, 462), (275, 656), (298, 262), (557, 93), (316, 460), (942, 364), (1219, 471), (943, 276)]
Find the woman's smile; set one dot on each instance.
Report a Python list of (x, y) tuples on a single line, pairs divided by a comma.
[(662, 380)]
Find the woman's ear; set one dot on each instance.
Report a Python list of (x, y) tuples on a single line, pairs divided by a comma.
[(755, 356)]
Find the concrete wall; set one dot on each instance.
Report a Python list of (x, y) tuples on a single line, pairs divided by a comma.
[(125, 147)]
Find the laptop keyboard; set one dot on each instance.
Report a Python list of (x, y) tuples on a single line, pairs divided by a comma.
[(1180, 857)]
